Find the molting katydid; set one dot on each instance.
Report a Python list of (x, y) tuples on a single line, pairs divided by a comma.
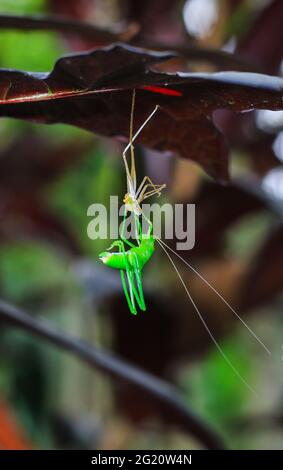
[(132, 260)]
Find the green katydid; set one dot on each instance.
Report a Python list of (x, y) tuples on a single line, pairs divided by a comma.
[(130, 262)]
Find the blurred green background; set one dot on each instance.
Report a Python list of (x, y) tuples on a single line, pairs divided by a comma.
[(56, 400)]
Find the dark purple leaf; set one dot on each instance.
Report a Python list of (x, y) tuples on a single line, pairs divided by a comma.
[(94, 91)]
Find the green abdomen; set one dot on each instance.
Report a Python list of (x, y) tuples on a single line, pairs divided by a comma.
[(141, 254)]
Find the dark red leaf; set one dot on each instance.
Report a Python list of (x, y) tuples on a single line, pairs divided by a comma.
[(94, 91)]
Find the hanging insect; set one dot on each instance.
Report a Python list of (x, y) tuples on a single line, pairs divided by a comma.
[(131, 261)]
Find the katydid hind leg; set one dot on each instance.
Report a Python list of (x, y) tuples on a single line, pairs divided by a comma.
[(140, 298), (128, 290), (131, 303), (139, 293)]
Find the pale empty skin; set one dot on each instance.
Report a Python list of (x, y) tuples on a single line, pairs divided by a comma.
[(134, 196)]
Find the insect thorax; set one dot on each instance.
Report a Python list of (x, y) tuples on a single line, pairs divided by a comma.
[(131, 204)]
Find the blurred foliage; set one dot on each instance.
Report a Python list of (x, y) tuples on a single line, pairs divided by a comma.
[(80, 187), (46, 387), (38, 50), (23, 6), (213, 387), (246, 236), (22, 270)]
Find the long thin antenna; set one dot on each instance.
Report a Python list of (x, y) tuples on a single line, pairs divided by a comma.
[(133, 163), (140, 129), (132, 116), (225, 357), (219, 295)]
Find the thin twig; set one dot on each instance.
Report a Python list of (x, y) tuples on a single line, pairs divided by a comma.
[(101, 36), (165, 393), (67, 26), (195, 53)]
